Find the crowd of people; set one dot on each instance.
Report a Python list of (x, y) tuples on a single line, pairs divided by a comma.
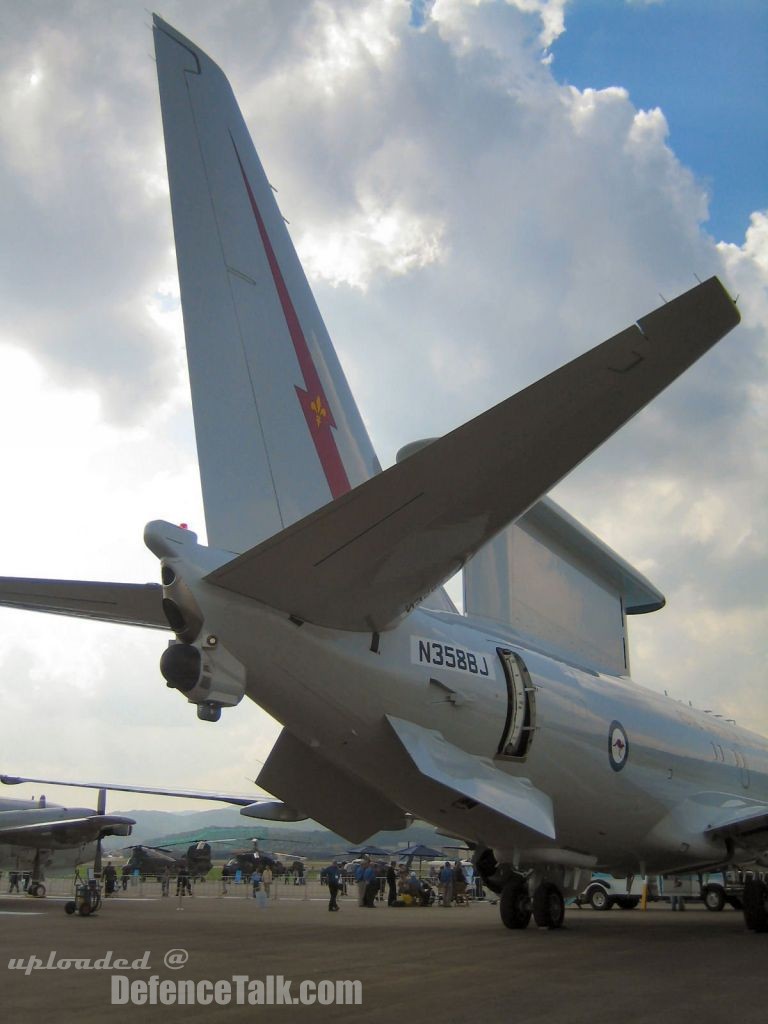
[(399, 885)]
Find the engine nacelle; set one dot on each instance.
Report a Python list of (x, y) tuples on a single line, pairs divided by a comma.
[(206, 673)]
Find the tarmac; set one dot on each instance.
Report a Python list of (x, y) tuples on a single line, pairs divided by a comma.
[(412, 963)]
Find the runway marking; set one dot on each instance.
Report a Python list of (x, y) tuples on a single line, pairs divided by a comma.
[(21, 913)]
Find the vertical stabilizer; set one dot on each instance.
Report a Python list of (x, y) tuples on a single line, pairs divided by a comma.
[(278, 432)]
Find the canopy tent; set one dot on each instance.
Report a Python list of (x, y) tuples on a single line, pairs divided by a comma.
[(418, 850), (369, 851)]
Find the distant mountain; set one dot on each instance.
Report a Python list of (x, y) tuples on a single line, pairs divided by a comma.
[(306, 838)]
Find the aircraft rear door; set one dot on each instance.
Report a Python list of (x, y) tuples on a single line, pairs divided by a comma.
[(521, 707)]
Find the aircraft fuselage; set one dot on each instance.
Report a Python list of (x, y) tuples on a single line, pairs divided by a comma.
[(619, 761)]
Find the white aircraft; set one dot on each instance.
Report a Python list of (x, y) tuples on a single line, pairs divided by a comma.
[(514, 726), (35, 835)]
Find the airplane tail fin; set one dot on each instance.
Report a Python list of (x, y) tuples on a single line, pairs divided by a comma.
[(278, 432)]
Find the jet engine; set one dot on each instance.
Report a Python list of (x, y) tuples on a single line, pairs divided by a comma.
[(195, 663), (206, 673)]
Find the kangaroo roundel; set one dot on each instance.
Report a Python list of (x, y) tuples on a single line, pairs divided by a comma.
[(618, 746)]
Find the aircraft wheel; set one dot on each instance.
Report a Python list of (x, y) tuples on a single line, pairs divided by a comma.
[(599, 899), (36, 889), (628, 902), (714, 898), (548, 906), (515, 904), (756, 905), (70, 907)]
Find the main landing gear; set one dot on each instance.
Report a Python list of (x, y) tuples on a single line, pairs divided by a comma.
[(516, 905), (36, 887), (524, 896)]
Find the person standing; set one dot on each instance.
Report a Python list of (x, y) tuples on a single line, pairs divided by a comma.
[(255, 881), (677, 900), (109, 875), (360, 881), (459, 884), (183, 883), (333, 878), (371, 885), (391, 884), (446, 881), (266, 879)]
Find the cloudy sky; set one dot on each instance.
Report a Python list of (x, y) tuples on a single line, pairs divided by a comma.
[(479, 191)]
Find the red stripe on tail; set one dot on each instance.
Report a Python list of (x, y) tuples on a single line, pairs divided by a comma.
[(317, 410)]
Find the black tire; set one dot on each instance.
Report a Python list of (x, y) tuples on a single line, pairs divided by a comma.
[(756, 905), (548, 906), (599, 899), (515, 904), (70, 907), (714, 898), (628, 902)]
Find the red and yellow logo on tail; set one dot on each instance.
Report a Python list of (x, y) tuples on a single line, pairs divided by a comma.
[(316, 410)]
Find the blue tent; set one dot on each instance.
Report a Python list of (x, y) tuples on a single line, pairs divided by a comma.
[(369, 851), (417, 851)]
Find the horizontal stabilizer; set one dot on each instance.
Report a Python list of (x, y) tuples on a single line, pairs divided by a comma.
[(475, 779), (340, 801), (68, 832), (363, 561), (132, 604)]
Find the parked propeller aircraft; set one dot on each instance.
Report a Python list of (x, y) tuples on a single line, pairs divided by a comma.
[(35, 835), (514, 726), (153, 860)]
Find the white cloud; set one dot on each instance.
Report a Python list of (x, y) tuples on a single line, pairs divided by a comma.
[(376, 240), (472, 23)]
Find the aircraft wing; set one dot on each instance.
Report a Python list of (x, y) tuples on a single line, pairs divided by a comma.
[(749, 829), (133, 604), (340, 801), (67, 832), (253, 806), (364, 560)]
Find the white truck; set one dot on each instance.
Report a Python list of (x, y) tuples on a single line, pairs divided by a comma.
[(606, 891)]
